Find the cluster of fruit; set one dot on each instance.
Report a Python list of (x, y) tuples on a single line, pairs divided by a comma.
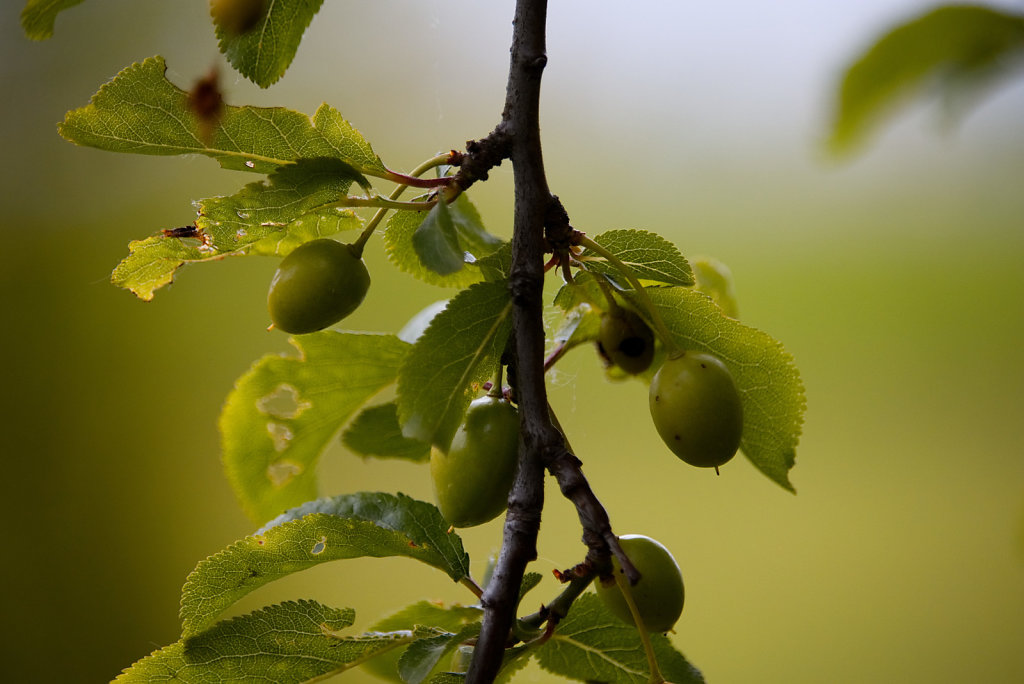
[(695, 406)]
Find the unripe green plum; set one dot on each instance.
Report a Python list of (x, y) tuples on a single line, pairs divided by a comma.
[(472, 481), (659, 594), (697, 409), (317, 285), (626, 340)]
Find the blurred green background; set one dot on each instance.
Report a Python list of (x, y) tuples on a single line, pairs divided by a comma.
[(894, 278)]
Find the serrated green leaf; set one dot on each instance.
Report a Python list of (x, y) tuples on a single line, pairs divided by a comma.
[(650, 257), (264, 209), (424, 529), (448, 678), (422, 656), (153, 262), (592, 644), (398, 240), (582, 290), (295, 641), (469, 227), (943, 50), (350, 526), (424, 613), (462, 345), (263, 53), (272, 217), (285, 410), (436, 242), (530, 582), (497, 266), (715, 280), (449, 618), (141, 112), (347, 142), (515, 659), (581, 325), (312, 226), (38, 16), (769, 382), (375, 432), (415, 327)]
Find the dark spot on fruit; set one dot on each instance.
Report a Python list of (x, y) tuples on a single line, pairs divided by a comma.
[(633, 346)]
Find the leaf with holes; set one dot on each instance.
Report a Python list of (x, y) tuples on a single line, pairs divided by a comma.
[(462, 346), (272, 217), (285, 410), (141, 112), (350, 526)]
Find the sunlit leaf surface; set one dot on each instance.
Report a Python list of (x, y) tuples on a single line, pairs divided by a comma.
[(349, 526), (285, 410), (462, 346)]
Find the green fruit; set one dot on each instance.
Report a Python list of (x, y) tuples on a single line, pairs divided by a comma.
[(696, 409), (315, 286), (658, 595), (472, 481), (626, 340)]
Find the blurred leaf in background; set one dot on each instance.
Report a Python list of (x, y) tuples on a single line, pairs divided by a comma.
[(952, 52)]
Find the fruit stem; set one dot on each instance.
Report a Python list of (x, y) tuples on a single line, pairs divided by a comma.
[(471, 584), (558, 608), (613, 306), (556, 353), (623, 582), (375, 220), (411, 180), (499, 377), (659, 324)]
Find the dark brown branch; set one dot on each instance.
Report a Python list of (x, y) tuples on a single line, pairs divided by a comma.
[(481, 156), (521, 120), (542, 445)]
